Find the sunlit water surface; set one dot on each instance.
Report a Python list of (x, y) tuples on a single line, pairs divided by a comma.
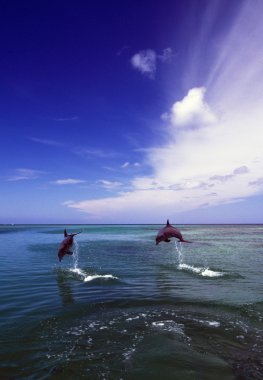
[(123, 308)]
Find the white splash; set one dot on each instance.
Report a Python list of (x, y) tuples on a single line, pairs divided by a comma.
[(210, 273), (208, 323), (102, 276), (87, 278), (75, 254), (80, 273), (205, 272), (169, 325), (179, 249)]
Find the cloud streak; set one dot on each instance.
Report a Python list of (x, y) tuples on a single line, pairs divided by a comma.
[(94, 152), (72, 118), (109, 185), (24, 174), (68, 181), (213, 153), (46, 142)]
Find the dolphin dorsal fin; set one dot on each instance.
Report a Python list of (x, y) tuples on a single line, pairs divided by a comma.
[(65, 232), (168, 224)]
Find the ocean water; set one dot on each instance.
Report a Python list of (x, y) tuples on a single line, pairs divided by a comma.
[(123, 308)]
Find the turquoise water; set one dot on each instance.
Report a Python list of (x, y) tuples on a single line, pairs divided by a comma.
[(123, 308)]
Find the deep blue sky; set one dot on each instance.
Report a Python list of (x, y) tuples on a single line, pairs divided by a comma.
[(131, 111)]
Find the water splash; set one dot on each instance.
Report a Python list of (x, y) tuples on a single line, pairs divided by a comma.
[(82, 274), (75, 256), (179, 249), (204, 272)]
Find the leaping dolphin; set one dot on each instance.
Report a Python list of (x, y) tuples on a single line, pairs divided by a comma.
[(167, 232), (66, 245)]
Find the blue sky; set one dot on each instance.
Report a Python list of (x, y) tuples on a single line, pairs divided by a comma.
[(131, 111)]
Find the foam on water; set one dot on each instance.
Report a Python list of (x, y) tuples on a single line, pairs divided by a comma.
[(84, 276), (169, 325), (204, 272), (96, 276)]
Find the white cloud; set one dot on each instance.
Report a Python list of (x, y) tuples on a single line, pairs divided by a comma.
[(241, 170), (24, 174), (192, 110), (145, 62), (217, 157), (68, 181), (213, 153), (125, 165), (222, 178), (128, 164), (67, 203), (109, 185), (257, 182)]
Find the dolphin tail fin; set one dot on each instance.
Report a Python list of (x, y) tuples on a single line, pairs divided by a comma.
[(65, 232)]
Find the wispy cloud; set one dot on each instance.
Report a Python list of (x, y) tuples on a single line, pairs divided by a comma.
[(72, 118), (67, 203), (222, 178), (193, 161), (145, 61), (94, 152), (24, 174), (166, 55), (125, 165), (46, 142), (128, 164), (213, 152), (68, 181), (109, 185), (257, 182)]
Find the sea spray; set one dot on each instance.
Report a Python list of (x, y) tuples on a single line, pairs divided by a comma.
[(179, 250), (75, 255), (82, 274), (202, 271)]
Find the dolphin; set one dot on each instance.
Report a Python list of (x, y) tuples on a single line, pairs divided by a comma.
[(66, 245), (167, 232)]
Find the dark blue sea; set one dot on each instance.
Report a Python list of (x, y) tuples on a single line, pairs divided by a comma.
[(123, 308)]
